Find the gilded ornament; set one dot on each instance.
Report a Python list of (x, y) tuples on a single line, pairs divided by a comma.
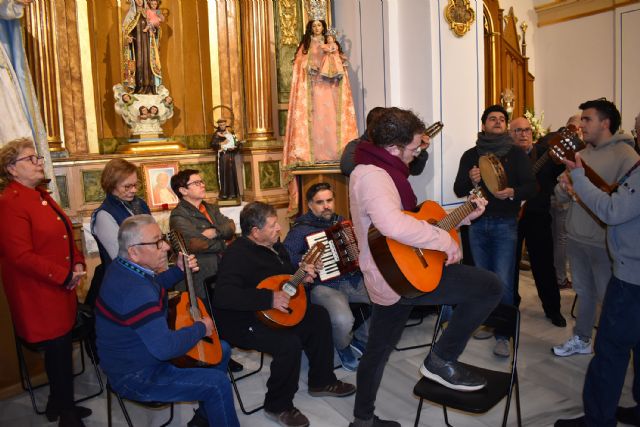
[(460, 15), (288, 21)]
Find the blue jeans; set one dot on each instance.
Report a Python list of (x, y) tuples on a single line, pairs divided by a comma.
[(618, 335), (166, 383), (336, 301), (493, 243)]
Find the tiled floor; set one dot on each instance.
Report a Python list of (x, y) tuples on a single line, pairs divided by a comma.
[(550, 386)]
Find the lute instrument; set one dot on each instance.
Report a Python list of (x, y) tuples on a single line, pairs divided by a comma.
[(185, 309), (294, 287), (412, 271)]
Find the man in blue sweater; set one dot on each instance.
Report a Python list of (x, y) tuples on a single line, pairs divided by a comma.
[(334, 294), (619, 328), (133, 338)]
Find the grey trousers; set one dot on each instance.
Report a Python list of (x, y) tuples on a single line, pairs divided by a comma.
[(591, 271)]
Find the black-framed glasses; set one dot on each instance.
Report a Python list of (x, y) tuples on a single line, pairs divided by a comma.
[(518, 131), (158, 242), (33, 158), (199, 183)]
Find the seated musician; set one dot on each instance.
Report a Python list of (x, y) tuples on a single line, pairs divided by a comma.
[(379, 192), (333, 294), (494, 236), (134, 341), (253, 257)]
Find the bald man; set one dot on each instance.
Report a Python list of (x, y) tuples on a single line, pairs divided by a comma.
[(534, 225)]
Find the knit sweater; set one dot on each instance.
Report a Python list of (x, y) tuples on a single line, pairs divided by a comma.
[(610, 160), (621, 213), (297, 246), (131, 320)]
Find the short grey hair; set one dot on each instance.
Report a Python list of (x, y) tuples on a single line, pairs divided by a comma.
[(129, 233)]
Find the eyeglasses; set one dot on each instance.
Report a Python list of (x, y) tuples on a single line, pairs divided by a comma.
[(158, 242), (34, 159), (518, 131), (198, 183), (129, 187)]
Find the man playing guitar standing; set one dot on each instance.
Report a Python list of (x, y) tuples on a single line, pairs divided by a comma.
[(379, 192)]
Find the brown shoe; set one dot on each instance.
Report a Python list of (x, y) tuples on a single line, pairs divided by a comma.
[(291, 418), (337, 389)]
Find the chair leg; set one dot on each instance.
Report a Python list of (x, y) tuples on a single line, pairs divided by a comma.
[(254, 371), (518, 412), (446, 416), (573, 306), (108, 406), (235, 389), (124, 410), (25, 378), (415, 424), (95, 368), (170, 416)]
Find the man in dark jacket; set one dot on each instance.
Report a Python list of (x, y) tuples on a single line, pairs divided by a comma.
[(534, 226), (253, 257)]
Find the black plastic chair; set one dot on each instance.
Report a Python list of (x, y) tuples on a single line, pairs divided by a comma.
[(499, 384), (79, 335), (418, 313), (150, 405)]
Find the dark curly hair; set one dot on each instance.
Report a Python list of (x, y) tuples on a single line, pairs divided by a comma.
[(492, 109), (396, 126), (308, 32)]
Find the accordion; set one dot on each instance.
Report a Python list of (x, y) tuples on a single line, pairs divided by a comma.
[(341, 250)]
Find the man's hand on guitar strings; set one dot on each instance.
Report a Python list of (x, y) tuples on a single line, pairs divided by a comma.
[(208, 323), (572, 165), (311, 270), (193, 262), (281, 301), (481, 204)]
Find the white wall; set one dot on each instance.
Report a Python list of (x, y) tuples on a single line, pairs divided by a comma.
[(575, 63), (627, 23)]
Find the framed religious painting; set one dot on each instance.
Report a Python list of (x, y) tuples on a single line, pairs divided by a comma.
[(157, 177)]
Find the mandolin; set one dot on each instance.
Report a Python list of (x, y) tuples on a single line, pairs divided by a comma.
[(294, 287), (413, 271), (185, 309)]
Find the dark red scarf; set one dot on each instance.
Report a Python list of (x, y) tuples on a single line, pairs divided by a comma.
[(369, 154)]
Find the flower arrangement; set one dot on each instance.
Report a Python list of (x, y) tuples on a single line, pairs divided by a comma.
[(537, 129)]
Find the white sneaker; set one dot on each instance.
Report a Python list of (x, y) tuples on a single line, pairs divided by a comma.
[(574, 345)]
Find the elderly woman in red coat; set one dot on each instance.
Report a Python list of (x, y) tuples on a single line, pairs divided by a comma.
[(41, 268)]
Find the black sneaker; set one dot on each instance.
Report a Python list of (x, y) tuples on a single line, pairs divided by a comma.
[(557, 319), (628, 416), (574, 422), (235, 366), (451, 374), (377, 422)]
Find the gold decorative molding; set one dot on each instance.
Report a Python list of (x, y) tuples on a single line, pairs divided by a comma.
[(460, 15), (288, 15), (566, 10)]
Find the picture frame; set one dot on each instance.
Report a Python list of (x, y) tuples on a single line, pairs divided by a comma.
[(157, 177)]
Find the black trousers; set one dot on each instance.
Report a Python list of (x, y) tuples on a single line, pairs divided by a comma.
[(312, 335), (535, 229), (474, 291), (58, 364)]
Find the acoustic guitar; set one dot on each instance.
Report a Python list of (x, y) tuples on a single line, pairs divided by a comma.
[(294, 287), (412, 271), (185, 309)]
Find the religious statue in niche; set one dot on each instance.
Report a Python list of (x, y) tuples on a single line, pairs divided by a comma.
[(224, 141), (141, 99), (460, 15), (321, 117)]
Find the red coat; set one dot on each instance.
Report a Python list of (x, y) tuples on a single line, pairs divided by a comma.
[(37, 255)]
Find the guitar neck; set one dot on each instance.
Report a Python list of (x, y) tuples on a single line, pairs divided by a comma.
[(540, 162), (458, 214), (188, 278)]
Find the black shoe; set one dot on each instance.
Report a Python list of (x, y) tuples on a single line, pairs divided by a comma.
[(628, 416), (198, 421), (377, 422), (235, 366), (70, 419), (451, 374), (574, 422), (557, 319), (53, 412)]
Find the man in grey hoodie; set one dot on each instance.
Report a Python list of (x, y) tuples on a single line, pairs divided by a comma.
[(619, 331), (610, 155)]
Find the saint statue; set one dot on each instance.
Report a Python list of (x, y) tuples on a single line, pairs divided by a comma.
[(141, 54), (226, 143)]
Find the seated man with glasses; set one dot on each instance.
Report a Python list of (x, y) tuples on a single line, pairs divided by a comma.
[(534, 226), (134, 341)]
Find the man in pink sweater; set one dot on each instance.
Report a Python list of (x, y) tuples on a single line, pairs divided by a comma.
[(379, 193)]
